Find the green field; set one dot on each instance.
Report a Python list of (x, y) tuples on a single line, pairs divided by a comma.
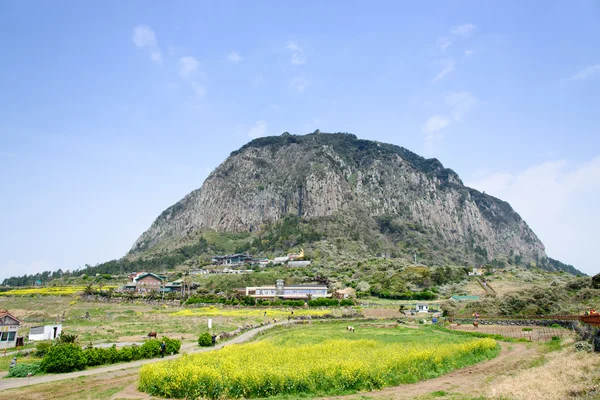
[(131, 321)]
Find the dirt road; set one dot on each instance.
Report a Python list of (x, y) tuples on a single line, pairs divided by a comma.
[(466, 381)]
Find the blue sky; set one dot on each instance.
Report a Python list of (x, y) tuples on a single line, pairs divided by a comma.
[(112, 111)]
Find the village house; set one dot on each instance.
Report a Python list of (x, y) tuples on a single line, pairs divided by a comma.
[(421, 307), (47, 332), (232, 259), (145, 282), (347, 293), (298, 264), (296, 256), (9, 327), (280, 260), (476, 272), (291, 292)]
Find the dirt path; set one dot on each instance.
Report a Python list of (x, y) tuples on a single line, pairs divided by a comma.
[(466, 381), (128, 368)]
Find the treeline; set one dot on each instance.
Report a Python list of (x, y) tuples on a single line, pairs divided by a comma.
[(408, 295), (31, 280), (116, 267)]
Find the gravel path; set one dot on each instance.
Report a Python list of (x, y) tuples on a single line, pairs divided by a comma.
[(128, 368)]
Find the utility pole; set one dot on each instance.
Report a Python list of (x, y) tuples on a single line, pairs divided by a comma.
[(415, 258)]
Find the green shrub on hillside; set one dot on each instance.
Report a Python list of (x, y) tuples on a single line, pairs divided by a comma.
[(324, 302), (41, 348), (21, 370), (205, 340), (64, 357)]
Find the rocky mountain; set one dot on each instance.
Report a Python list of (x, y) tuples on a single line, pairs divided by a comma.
[(398, 195)]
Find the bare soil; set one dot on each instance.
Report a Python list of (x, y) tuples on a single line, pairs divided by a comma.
[(466, 381)]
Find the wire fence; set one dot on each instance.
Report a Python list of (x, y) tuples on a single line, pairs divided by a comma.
[(535, 334)]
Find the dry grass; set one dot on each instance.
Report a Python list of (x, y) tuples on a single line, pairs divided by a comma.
[(109, 387), (565, 374)]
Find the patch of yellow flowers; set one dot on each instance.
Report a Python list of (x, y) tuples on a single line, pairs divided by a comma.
[(48, 291), (245, 312), (265, 369)]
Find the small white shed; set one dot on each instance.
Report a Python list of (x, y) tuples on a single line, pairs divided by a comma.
[(47, 332), (422, 307)]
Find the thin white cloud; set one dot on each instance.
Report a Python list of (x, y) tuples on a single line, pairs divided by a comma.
[(436, 123), (467, 53), (258, 130), (234, 57), (299, 83), (444, 42), (188, 70), (447, 67), (461, 104), (586, 72), (144, 38), (188, 66), (458, 105), (297, 53), (461, 31), (198, 89), (465, 30), (560, 202)]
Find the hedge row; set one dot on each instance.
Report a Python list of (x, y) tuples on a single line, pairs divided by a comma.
[(67, 357), (326, 302)]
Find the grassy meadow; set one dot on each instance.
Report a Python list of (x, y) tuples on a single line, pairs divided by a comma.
[(130, 322)]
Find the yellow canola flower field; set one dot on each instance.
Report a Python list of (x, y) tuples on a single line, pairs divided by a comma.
[(48, 291), (265, 369), (245, 312)]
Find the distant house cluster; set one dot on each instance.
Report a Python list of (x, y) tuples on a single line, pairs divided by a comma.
[(236, 260), (289, 292), (143, 282), (476, 272)]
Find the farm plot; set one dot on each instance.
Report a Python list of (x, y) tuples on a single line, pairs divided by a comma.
[(323, 358)]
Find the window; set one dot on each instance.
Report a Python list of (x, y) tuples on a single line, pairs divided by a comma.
[(11, 336), (4, 337)]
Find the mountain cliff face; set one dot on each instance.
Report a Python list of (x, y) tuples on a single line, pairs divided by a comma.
[(320, 175)]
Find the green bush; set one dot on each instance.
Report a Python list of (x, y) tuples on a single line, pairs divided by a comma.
[(172, 345), (41, 348), (64, 357), (324, 302), (21, 370), (150, 348), (346, 302), (205, 340), (527, 329)]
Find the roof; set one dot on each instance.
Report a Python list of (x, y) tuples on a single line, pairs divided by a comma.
[(146, 274), (465, 298), (422, 304), (347, 290), (4, 314)]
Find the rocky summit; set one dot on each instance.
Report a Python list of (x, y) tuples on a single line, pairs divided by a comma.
[(399, 195)]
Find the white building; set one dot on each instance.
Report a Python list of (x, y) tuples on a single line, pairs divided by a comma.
[(280, 290), (422, 307), (48, 332)]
